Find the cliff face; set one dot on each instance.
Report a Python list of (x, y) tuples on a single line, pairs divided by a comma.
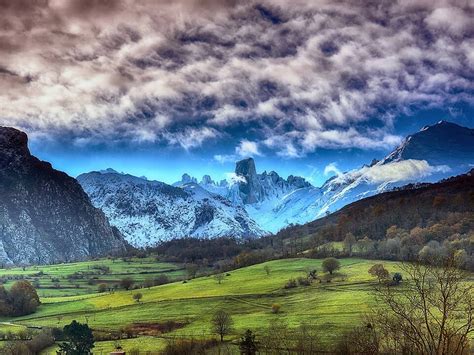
[(45, 216)]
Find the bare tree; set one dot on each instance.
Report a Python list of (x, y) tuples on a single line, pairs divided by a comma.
[(222, 323), (432, 314)]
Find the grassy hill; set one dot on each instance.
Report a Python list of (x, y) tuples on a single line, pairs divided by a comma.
[(82, 278), (247, 293)]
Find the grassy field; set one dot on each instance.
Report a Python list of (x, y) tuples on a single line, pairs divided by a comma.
[(82, 278), (246, 293)]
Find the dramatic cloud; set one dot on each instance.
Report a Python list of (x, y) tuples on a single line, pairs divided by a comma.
[(300, 75)]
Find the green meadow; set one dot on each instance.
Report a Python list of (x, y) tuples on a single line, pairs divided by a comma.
[(247, 294), (82, 278)]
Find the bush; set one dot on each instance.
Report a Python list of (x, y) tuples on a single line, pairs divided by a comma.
[(102, 288), (397, 278), (126, 283), (161, 280), (303, 281), (276, 308), (41, 341), (291, 284)]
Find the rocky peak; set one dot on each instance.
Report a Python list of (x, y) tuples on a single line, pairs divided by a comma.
[(186, 178), (250, 191), (13, 146), (246, 168), (207, 180), (298, 182), (443, 142)]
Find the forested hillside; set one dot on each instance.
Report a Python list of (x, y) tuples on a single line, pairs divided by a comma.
[(401, 224)]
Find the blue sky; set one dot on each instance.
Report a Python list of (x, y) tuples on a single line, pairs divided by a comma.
[(168, 163), (161, 88)]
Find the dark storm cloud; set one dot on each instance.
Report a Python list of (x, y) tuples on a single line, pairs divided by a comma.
[(302, 74)]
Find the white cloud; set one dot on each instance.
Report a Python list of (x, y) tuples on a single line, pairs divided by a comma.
[(248, 149), (225, 158), (332, 169), (405, 170), (191, 137), (233, 178)]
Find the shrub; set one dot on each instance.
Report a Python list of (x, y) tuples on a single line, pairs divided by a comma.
[(188, 346), (161, 280), (41, 341), (303, 281), (291, 284), (276, 308), (397, 278), (149, 282), (102, 288), (126, 283)]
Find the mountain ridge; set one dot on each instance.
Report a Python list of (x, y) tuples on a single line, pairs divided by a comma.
[(45, 216)]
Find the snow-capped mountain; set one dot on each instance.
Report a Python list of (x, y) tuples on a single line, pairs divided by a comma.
[(435, 152), (150, 211), (270, 200), (253, 204)]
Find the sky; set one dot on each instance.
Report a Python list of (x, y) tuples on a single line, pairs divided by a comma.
[(159, 87)]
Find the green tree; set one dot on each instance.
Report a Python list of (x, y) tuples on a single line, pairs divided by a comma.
[(397, 278), (247, 344), (330, 265), (79, 339), (137, 297)]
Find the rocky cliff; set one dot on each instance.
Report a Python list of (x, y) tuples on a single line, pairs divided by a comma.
[(45, 216)]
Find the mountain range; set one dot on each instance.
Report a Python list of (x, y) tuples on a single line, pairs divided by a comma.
[(252, 204)]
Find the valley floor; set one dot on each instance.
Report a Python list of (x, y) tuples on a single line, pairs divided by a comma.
[(247, 294)]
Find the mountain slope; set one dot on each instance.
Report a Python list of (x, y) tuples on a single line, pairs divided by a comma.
[(150, 211), (406, 207), (434, 153), (45, 216)]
